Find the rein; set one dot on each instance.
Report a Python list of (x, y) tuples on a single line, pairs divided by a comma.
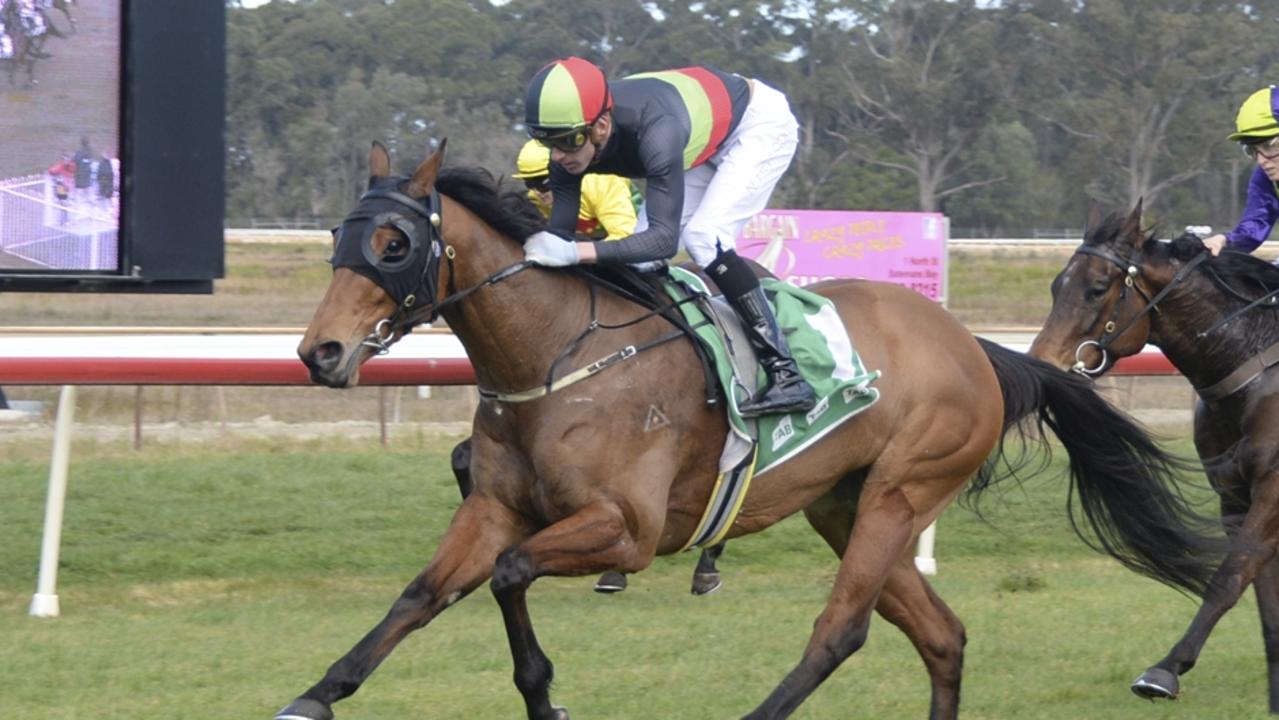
[(429, 240), (626, 353), (1267, 299)]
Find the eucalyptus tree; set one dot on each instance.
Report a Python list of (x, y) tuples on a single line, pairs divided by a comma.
[(918, 81), (1145, 89)]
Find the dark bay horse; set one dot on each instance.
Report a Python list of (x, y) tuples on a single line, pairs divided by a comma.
[(1216, 321), (574, 482)]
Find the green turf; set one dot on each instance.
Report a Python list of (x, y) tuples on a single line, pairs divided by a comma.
[(220, 582)]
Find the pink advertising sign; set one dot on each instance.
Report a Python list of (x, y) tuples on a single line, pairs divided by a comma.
[(807, 246)]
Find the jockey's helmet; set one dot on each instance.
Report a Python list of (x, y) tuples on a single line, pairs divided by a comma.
[(564, 98), (1258, 116), (534, 161)]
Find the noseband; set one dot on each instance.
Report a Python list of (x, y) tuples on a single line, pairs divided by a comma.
[(1110, 331)]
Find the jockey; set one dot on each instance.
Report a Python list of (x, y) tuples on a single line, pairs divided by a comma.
[(710, 146), (606, 213), (32, 19), (1257, 131)]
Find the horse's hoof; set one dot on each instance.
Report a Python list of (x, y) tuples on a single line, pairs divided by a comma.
[(305, 709), (1157, 684), (560, 713), (705, 583), (609, 583)]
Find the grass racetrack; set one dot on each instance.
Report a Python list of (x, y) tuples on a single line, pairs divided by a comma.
[(219, 581)]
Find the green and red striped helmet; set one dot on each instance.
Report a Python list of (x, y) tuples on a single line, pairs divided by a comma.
[(565, 96)]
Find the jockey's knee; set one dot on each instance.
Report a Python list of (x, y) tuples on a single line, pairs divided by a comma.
[(704, 244)]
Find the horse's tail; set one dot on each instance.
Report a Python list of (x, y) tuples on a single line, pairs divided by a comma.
[(1127, 484)]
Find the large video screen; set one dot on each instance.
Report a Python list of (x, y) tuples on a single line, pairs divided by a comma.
[(60, 168), (111, 146)]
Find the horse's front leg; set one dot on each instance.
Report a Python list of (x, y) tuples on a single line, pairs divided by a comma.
[(1266, 586), (706, 576), (593, 539), (480, 530), (1252, 547)]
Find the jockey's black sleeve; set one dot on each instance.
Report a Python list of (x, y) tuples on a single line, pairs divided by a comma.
[(660, 152), (566, 198)]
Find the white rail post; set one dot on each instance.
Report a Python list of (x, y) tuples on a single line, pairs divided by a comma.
[(924, 559), (45, 601)]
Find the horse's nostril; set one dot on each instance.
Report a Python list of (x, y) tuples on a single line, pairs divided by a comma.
[(326, 356)]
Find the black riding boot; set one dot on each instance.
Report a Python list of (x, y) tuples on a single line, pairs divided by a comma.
[(786, 390)]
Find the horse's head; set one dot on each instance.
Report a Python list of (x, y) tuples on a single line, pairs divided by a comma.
[(386, 271), (1101, 299)]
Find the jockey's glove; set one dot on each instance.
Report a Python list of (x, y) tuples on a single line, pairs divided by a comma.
[(550, 250)]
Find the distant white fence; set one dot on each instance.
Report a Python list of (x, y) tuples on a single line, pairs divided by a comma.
[(75, 234)]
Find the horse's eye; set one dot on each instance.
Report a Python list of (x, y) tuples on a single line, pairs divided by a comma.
[(396, 249), (1096, 292)]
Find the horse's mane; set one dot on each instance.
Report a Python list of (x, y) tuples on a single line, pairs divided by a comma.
[(1237, 277), (504, 207), (1231, 270)]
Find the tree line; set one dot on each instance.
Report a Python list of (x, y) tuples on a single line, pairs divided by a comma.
[(1004, 115)]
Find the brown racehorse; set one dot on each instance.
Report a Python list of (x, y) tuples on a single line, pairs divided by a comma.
[(571, 483), (1215, 320)]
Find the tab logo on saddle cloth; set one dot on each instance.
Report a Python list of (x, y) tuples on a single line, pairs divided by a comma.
[(784, 431), (820, 409)]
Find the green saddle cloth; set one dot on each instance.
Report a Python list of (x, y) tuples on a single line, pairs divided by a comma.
[(823, 351)]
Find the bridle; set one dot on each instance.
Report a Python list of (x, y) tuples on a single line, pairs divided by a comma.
[(402, 320), (1130, 269), (415, 278), (384, 204)]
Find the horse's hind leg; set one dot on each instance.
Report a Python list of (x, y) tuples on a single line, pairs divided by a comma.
[(937, 634), (479, 531), (593, 538), (880, 535), (906, 601)]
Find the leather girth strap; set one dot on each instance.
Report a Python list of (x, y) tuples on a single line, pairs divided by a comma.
[(1244, 374)]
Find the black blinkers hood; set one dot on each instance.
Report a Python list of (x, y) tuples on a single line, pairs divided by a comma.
[(409, 277)]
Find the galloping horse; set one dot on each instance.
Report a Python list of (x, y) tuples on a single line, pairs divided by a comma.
[(1215, 320), (574, 483), (28, 43)]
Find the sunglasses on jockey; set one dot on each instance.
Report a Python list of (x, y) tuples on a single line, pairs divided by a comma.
[(568, 141)]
